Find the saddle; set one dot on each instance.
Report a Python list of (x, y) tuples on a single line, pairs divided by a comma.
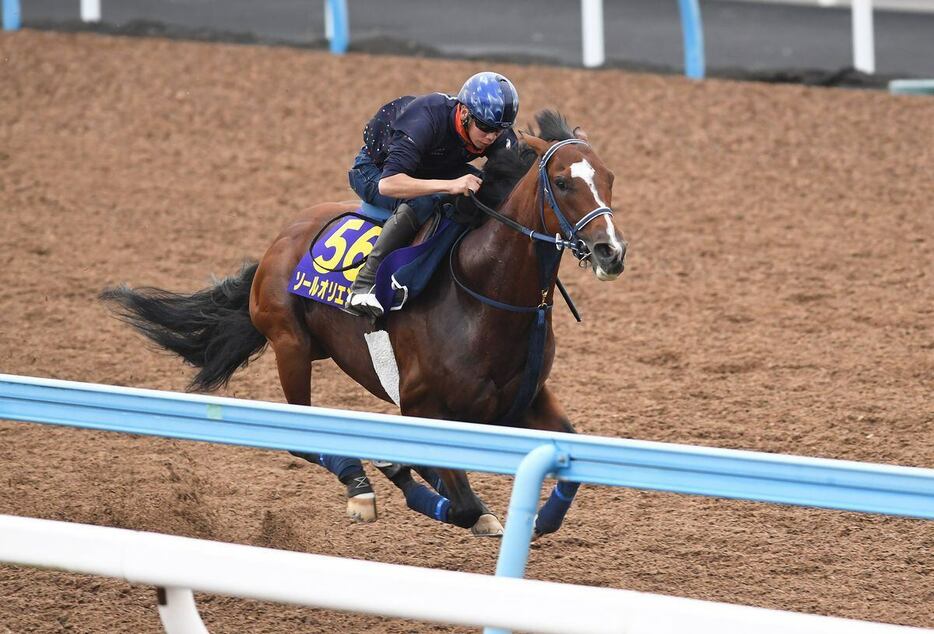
[(329, 267)]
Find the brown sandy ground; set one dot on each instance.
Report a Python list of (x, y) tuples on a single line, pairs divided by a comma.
[(778, 298)]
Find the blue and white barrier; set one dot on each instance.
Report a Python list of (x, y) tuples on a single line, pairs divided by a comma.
[(530, 455), (692, 32), (336, 21)]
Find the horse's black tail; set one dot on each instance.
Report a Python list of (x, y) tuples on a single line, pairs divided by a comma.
[(210, 329)]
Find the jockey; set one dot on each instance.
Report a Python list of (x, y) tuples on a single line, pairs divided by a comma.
[(416, 153)]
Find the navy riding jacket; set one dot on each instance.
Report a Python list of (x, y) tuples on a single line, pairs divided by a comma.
[(418, 137)]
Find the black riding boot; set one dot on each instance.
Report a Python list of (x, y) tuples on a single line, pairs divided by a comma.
[(398, 232)]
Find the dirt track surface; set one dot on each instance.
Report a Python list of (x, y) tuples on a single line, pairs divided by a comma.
[(778, 298)]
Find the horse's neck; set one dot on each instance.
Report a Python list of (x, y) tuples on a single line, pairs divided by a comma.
[(501, 263)]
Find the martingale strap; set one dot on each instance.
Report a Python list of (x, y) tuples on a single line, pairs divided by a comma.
[(489, 301), (548, 260)]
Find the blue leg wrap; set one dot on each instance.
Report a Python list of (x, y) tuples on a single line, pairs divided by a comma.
[(422, 499), (433, 478), (340, 466), (553, 511), (343, 468)]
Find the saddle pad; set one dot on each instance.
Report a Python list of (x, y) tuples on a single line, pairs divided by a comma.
[(402, 274), (343, 244)]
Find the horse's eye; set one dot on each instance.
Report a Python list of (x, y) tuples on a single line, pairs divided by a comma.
[(561, 184)]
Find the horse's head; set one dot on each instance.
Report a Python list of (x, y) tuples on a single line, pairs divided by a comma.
[(576, 189)]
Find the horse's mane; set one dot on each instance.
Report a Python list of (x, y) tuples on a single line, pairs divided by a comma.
[(505, 168)]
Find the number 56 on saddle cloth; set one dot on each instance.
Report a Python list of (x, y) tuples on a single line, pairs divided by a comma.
[(329, 267)]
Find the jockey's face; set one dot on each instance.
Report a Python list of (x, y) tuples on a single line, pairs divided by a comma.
[(481, 136)]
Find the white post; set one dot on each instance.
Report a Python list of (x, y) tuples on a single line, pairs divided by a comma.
[(178, 612), (328, 22), (864, 47), (91, 10), (592, 32)]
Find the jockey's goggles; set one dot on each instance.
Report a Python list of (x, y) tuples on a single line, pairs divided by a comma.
[(487, 129)]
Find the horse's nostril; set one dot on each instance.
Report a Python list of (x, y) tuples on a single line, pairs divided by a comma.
[(604, 250)]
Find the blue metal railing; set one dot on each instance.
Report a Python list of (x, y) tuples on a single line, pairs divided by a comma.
[(530, 455)]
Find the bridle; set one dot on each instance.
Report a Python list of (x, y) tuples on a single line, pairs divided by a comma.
[(567, 237), (569, 231)]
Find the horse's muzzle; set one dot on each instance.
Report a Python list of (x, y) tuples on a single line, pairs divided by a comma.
[(608, 260)]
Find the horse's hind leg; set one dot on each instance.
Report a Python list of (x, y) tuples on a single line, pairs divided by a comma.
[(294, 356), (547, 414)]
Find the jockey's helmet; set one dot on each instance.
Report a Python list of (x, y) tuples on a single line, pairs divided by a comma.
[(491, 99)]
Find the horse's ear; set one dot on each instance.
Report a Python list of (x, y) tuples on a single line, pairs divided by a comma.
[(539, 145), (580, 134)]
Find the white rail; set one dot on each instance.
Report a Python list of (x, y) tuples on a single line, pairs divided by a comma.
[(181, 564)]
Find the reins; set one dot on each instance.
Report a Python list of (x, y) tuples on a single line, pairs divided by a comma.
[(567, 239), (521, 228)]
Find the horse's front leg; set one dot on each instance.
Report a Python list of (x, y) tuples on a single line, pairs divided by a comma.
[(547, 414), (467, 509), (488, 525), (455, 501)]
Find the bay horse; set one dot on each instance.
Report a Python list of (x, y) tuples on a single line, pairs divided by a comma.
[(477, 345)]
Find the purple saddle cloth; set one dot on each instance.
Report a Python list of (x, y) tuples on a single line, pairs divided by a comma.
[(329, 267)]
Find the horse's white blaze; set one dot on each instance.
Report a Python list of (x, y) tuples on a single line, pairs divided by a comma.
[(585, 171), (384, 362), (611, 231)]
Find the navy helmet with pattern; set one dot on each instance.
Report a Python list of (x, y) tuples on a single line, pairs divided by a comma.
[(491, 99)]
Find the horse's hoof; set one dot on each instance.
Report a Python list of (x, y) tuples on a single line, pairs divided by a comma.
[(487, 526), (362, 508)]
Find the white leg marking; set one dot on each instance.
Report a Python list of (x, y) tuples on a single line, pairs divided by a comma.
[(384, 362)]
